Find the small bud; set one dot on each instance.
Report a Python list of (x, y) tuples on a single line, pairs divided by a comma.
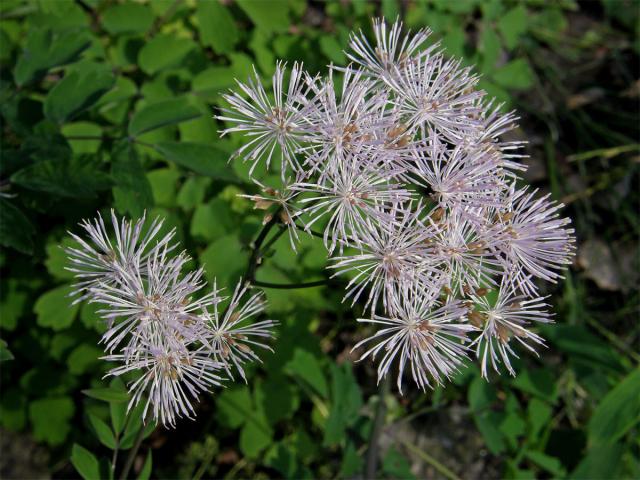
[(481, 292), (262, 203), (267, 218)]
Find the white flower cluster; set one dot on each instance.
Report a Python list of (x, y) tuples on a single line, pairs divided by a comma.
[(400, 158), (159, 324)]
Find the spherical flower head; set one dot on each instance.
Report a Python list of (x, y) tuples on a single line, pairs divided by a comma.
[(504, 321), (427, 337)]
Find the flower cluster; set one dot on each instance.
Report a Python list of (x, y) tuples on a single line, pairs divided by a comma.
[(400, 159), (176, 340)]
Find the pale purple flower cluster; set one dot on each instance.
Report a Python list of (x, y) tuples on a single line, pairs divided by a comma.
[(176, 340), (399, 159)]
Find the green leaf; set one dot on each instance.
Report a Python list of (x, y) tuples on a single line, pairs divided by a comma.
[(617, 413), (76, 177), (539, 414), (163, 51), (332, 49), (160, 114), (50, 419), (54, 308), (396, 465), (192, 192), (256, 435), (481, 394), (539, 382), (217, 28), (45, 49), (83, 129), (487, 423), (145, 473), (85, 462), (346, 400), (132, 193), (5, 353), (489, 46), (548, 463), (512, 25), (233, 406), (80, 88), (278, 398), (103, 432), (127, 18), (267, 15), (306, 367), (199, 157), (351, 462), (16, 231), (516, 74), (111, 394), (13, 408), (163, 183), (601, 461), (226, 267), (83, 358), (212, 220), (12, 304)]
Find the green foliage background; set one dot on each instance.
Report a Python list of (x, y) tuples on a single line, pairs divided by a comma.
[(109, 104)]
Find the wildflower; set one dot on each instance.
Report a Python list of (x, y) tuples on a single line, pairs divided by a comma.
[(231, 335), (428, 337), (504, 321)]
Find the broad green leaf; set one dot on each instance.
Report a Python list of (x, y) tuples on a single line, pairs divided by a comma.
[(267, 15), (85, 462), (192, 192), (601, 461), (163, 51), (516, 74), (80, 88), (512, 427), (163, 183), (489, 46), (487, 423), (127, 18), (306, 367), (617, 413), (13, 303), (539, 413), (13, 409), (512, 25), (132, 192), (396, 465), (256, 435), (5, 353), (212, 220), (201, 158), (77, 177), (332, 49), (351, 462), (224, 259), (83, 358), (539, 382), (548, 463), (217, 27), (111, 394), (278, 398), (16, 231), (57, 258), (103, 432), (233, 406), (118, 410), (54, 308), (45, 49), (161, 114), (481, 394), (346, 400), (50, 419), (145, 473), (84, 137)]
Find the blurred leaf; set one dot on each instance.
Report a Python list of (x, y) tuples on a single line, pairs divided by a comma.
[(233, 406), (83, 129), (45, 49), (132, 192), (332, 49), (80, 88), (267, 15), (481, 394), (50, 419), (145, 473), (12, 305), (127, 18), (346, 400), (352, 463), (85, 462), (539, 414), (512, 427), (54, 308), (212, 220), (487, 423), (76, 177), (57, 258), (192, 192), (163, 51), (111, 394), (217, 27), (516, 74), (306, 367), (225, 267), (163, 182), (278, 398), (617, 413), (103, 432), (539, 382), (601, 461), (201, 158), (489, 46), (83, 358), (5, 353), (512, 25), (16, 231), (160, 114), (13, 409), (396, 465), (256, 435), (548, 463)]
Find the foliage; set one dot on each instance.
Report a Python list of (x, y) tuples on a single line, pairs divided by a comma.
[(109, 104)]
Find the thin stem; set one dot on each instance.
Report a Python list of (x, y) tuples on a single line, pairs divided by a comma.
[(132, 453), (428, 458), (289, 286), (254, 260), (116, 450), (274, 239), (378, 426)]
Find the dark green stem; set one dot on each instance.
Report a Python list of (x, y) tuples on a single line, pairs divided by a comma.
[(378, 425), (289, 286), (132, 453), (254, 260)]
